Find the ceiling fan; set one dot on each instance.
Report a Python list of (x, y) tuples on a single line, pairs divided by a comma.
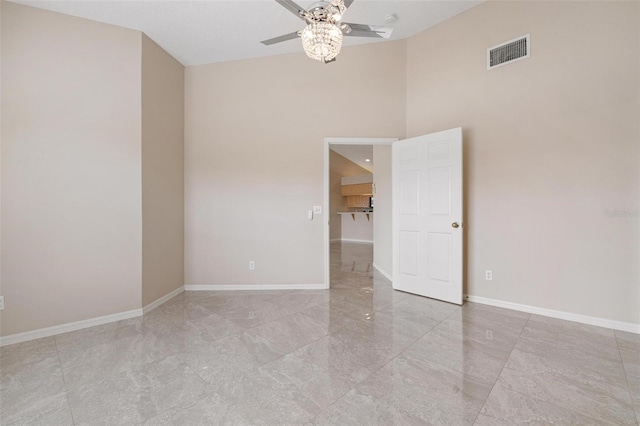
[(322, 37)]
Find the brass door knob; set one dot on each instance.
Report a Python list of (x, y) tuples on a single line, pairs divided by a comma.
[(455, 224)]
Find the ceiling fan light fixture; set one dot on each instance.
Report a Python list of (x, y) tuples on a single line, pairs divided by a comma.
[(337, 10), (322, 41), (324, 30)]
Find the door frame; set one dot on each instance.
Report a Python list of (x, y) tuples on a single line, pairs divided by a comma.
[(325, 202)]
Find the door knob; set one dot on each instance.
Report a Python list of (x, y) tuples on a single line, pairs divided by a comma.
[(455, 224)]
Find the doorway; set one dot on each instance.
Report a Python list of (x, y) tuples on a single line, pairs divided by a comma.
[(425, 199), (360, 225)]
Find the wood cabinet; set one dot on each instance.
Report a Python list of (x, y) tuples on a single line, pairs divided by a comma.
[(358, 201), (358, 189)]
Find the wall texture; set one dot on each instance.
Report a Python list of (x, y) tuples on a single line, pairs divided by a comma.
[(383, 201), (162, 172), (71, 165), (254, 140), (339, 166), (551, 144)]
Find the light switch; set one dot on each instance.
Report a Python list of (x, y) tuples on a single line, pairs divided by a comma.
[(310, 214), (317, 209)]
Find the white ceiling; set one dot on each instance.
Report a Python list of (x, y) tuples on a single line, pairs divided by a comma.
[(356, 153), (201, 32)]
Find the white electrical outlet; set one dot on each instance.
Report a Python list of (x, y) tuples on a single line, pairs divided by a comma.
[(252, 265), (1, 303), (489, 334), (317, 209), (488, 275)]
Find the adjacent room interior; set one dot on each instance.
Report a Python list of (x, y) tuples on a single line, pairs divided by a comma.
[(358, 175), (191, 233)]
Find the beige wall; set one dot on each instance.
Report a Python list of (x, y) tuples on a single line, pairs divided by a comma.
[(71, 220), (339, 166), (254, 140), (551, 143), (383, 220), (162, 172)]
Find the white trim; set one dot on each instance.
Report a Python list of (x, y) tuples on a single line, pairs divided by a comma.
[(340, 141), (65, 328), (584, 319), (347, 240), (91, 322), (151, 306), (325, 225), (383, 272), (360, 141), (225, 287)]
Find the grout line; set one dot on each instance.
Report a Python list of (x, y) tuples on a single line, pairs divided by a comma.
[(64, 382), (518, 392), (526, 395), (392, 358), (626, 378), (340, 328), (269, 322), (386, 363), (502, 369), (256, 367), (179, 408), (244, 330)]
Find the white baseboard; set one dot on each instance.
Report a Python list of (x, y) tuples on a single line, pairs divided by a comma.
[(348, 240), (218, 287), (584, 319), (92, 322), (151, 306), (383, 272), (65, 328)]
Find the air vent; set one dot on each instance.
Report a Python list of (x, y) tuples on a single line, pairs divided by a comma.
[(511, 51)]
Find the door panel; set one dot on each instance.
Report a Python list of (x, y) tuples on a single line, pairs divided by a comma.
[(438, 262), (427, 200), (409, 195), (409, 253), (440, 191)]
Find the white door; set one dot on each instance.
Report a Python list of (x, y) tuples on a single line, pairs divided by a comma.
[(427, 215)]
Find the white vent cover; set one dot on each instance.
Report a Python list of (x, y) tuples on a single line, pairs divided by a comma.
[(508, 52)]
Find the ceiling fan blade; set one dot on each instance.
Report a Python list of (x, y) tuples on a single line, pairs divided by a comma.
[(279, 39), (292, 7), (363, 30)]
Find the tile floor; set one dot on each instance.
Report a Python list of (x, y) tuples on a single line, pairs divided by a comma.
[(359, 354)]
